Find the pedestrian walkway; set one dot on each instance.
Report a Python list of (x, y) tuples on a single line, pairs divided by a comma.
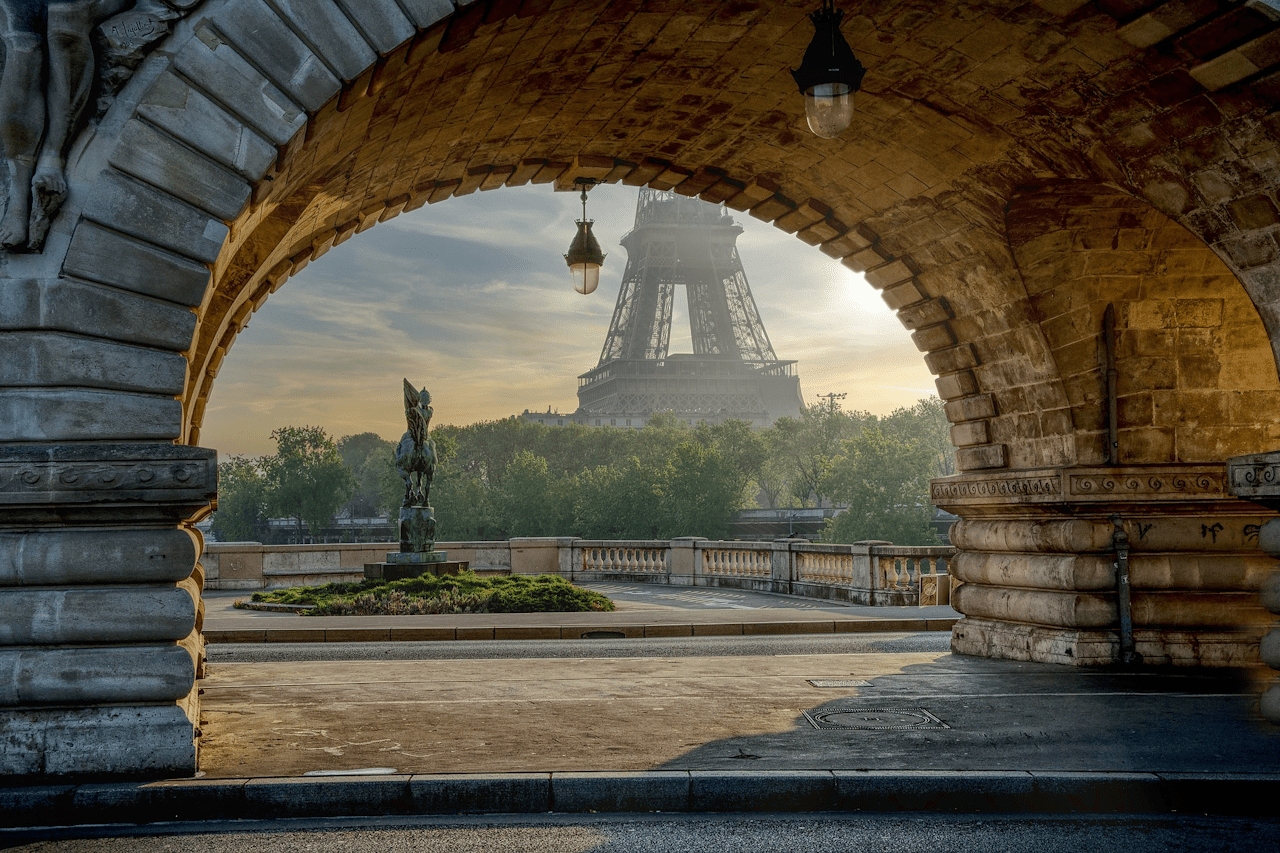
[(922, 731)]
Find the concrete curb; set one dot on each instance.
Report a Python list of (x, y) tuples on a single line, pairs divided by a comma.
[(980, 792), (571, 632)]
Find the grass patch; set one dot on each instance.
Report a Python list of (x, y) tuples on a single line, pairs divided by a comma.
[(461, 593)]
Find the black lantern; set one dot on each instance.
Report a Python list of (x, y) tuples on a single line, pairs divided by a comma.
[(829, 74), (584, 256)]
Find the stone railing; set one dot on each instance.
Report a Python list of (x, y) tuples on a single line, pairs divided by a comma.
[(863, 573), (624, 558), (736, 560)]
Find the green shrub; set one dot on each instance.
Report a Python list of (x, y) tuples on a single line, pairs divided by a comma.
[(427, 594)]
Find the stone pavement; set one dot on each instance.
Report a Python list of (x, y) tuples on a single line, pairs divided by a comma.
[(923, 731), (643, 610)]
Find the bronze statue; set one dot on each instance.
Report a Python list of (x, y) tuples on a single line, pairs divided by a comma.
[(416, 455)]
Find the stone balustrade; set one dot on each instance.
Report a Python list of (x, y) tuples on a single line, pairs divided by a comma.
[(865, 573)]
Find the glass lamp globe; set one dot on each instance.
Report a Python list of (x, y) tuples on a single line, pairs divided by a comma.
[(586, 277), (828, 107)]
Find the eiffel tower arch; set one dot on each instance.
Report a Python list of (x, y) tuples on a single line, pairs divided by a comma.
[(732, 373)]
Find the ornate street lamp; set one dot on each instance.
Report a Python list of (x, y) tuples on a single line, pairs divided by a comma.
[(829, 74), (584, 256)]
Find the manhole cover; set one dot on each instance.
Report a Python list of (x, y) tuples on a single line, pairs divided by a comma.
[(874, 718), (839, 682)]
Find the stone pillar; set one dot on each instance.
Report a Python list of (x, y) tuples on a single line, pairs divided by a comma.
[(100, 607), (782, 565), (1257, 478), (542, 555), (686, 560), (1036, 575)]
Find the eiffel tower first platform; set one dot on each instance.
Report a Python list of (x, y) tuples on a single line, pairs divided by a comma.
[(732, 372)]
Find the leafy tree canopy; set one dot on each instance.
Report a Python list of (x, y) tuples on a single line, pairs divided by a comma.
[(306, 478)]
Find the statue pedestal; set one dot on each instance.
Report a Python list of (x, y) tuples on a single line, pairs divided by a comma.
[(401, 569), (417, 529)]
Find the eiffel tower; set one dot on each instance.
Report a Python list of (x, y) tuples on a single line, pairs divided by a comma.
[(732, 371)]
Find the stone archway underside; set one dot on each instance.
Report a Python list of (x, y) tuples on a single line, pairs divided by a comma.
[(1012, 170)]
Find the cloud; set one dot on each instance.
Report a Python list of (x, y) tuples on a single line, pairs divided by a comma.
[(471, 298)]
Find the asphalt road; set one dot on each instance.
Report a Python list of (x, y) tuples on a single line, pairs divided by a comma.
[(825, 833), (653, 647)]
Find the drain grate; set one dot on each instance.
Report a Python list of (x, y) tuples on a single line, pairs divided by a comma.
[(838, 682), (874, 718)]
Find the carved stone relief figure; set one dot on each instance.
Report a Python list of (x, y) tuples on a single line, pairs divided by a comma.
[(49, 71)]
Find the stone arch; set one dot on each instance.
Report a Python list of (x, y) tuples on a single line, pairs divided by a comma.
[(1195, 365), (263, 132)]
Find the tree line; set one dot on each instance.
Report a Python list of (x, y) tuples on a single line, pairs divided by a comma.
[(505, 478)]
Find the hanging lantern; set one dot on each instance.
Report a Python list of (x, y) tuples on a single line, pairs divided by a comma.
[(584, 256), (829, 74)]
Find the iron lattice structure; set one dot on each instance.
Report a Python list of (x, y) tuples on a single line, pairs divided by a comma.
[(732, 372)]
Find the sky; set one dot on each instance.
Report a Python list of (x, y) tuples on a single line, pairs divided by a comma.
[(471, 298)]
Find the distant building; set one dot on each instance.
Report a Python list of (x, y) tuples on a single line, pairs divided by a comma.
[(732, 373)]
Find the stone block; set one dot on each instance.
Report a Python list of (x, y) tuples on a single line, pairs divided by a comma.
[(141, 211), (160, 160), (970, 433), (1071, 536), (94, 675), (955, 385), (653, 791), (36, 359), (425, 13), (96, 254), (382, 22), (330, 34), (982, 457), (74, 306), (152, 802), (35, 805), (970, 408), (889, 274), (901, 295), (123, 740), (241, 88), (254, 30), (934, 790), (203, 124), (122, 614), (1038, 607), (765, 790), (1069, 572), (926, 314), (103, 484), (952, 359), (63, 414), (933, 338), (514, 793), (1099, 793), (50, 557), (323, 796)]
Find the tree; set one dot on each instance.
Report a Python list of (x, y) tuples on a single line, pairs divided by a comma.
[(617, 502), (242, 501), (378, 487), (809, 444), (306, 478), (699, 491), (884, 478), (531, 501), (926, 422)]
